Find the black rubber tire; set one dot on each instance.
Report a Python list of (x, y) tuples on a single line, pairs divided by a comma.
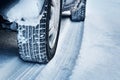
[(51, 51), (33, 41), (78, 15)]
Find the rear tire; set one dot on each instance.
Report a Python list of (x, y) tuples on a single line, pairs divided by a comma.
[(78, 14), (34, 41)]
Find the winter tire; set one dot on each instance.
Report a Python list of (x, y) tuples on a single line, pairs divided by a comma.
[(38, 43), (78, 14)]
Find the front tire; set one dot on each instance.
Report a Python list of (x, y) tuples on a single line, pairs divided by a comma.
[(35, 42)]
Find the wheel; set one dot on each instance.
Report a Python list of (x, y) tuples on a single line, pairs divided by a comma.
[(78, 14), (38, 43)]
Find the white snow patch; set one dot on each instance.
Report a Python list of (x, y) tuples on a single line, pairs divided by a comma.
[(21, 38), (28, 10), (59, 68), (100, 52)]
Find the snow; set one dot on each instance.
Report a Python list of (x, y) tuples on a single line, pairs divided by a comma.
[(13, 68), (96, 59), (22, 39), (26, 12), (100, 51), (66, 13), (60, 67)]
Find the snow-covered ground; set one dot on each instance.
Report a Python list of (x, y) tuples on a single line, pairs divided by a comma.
[(97, 58), (59, 68), (26, 12), (100, 51)]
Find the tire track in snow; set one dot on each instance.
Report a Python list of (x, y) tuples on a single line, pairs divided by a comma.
[(60, 67), (31, 73), (20, 72)]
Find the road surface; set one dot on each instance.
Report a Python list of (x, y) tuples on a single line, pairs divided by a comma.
[(59, 68), (100, 50), (87, 50)]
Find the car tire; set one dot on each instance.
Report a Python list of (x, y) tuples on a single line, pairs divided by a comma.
[(78, 14), (34, 41)]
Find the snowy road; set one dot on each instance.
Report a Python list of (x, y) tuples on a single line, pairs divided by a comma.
[(59, 68), (100, 50), (94, 55)]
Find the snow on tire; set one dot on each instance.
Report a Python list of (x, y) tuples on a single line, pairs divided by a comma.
[(34, 42), (78, 14)]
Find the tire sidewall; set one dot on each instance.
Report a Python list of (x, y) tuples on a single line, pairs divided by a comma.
[(51, 51)]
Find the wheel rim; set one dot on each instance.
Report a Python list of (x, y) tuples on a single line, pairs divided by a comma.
[(54, 22)]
